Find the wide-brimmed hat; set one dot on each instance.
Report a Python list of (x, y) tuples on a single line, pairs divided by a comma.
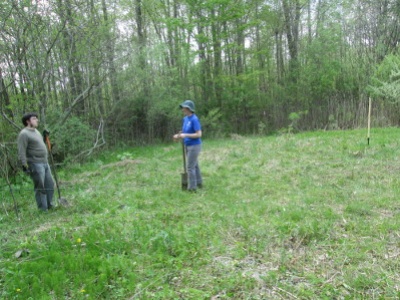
[(188, 104)]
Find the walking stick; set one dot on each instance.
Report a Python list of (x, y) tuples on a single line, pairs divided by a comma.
[(62, 201)]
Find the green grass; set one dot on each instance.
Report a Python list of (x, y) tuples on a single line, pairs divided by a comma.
[(307, 216)]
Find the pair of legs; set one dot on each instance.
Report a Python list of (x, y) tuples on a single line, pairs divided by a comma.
[(43, 185), (194, 175)]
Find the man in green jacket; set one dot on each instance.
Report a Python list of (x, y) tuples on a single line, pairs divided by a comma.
[(32, 152)]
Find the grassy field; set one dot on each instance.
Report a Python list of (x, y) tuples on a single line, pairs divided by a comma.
[(307, 216)]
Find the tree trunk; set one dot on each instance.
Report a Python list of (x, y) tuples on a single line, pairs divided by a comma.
[(291, 12)]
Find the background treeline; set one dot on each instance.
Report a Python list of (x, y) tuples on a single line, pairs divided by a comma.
[(113, 72)]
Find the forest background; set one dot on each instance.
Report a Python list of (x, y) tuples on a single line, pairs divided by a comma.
[(106, 73)]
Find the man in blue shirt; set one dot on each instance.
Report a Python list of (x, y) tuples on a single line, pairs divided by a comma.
[(191, 135)]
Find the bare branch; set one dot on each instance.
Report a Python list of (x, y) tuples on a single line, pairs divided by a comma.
[(10, 121), (77, 100), (100, 141)]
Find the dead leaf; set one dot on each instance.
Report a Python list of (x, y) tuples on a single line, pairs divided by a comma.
[(21, 253)]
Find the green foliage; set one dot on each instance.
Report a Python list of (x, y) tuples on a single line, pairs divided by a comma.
[(211, 123), (386, 80), (71, 139), (262, 127), (223, 54), (322, 72), (294, 119), (125, 155)]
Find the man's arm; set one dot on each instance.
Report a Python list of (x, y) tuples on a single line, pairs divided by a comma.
[(22, 143), (195, 135)]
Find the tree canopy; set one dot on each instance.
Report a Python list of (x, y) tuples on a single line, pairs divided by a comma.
[(120, 69)]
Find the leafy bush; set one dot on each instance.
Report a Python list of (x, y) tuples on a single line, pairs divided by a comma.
[(386, 80), (71, 139), (294, 118), (211, 122)]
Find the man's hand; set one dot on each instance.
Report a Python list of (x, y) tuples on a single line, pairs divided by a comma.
[(46, 133), (25, 169), (46, 140), (177, 136)]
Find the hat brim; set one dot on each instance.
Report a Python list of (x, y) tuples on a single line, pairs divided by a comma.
[(185, 106)]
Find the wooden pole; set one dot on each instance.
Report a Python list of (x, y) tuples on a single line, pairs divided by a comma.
[(369, 119)]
